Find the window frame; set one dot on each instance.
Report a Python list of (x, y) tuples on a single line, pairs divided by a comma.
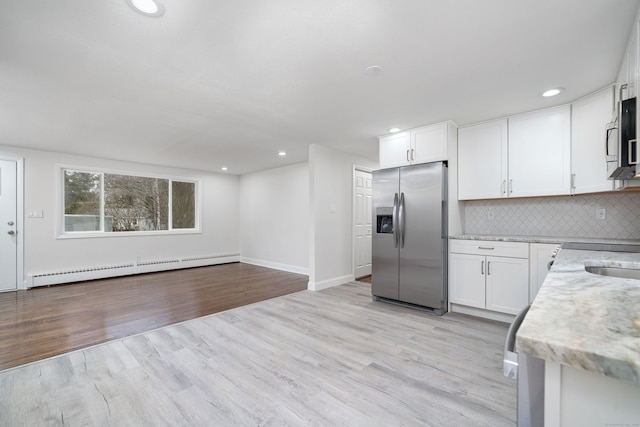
[(61, 233)]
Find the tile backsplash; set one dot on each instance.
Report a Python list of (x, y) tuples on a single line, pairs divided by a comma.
[(566, 216)]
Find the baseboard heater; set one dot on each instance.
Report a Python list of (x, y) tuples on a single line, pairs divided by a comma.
[(125, 269)]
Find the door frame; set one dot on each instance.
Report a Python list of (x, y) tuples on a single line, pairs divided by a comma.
[(21, 284), (353, 214)]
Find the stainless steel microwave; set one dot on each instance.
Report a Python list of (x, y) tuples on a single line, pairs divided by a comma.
[(626, 158)]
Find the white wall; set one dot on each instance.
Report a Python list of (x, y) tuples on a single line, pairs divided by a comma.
[(331, 233), (274, 218), (44, 253)]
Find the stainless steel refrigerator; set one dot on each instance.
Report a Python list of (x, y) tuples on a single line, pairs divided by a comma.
[(409, 262)]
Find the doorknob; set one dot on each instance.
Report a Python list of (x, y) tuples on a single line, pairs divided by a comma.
[(11, 232)]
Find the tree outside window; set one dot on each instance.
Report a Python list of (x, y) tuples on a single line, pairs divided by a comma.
[(106, 202)]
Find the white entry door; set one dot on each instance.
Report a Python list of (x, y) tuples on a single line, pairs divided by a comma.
[(363, 225), (8, 227)]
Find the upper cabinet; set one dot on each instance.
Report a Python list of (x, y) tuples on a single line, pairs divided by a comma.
[(539, 150), (420, 145), (629, 68), (482, 161), (524, 155), (588, 120), (395, 150), (632, 85)]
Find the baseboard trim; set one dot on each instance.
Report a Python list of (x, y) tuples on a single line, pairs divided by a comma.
[(78, 274), (335, 281), (275, 265), (485, 314)]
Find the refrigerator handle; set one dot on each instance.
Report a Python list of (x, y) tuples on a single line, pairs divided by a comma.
[(401, 215), (394, 220)]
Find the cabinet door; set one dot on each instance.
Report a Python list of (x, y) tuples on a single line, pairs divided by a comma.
[(632, 81), (395, 150), (507, 284), (466, 279), (482, 161), (429, 143), (589, 117), (539, 148), (539, 258)]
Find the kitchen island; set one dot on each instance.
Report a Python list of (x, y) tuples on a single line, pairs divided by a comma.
[(586, 327)]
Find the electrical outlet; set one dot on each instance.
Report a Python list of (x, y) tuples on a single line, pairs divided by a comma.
[(601, 213), (491, 215)]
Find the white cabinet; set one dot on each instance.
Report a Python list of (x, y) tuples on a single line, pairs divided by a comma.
[(539, 150), (589, 118), (395, 150), (539, 258), (628, 73), (489, 275), (420, 145), (507, 284), (632, 65), (429, 143), (576, 397), (482, 161), (524, 155), (467, 284)]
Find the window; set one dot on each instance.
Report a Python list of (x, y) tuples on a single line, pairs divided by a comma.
[(102, 202)]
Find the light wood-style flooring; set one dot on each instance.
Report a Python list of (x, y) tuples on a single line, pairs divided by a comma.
[(44, 322), (327, 358)]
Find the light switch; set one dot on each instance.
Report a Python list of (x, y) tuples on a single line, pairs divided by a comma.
[(35, 213)]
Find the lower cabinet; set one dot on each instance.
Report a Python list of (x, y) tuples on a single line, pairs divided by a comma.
[(575, 397), (489, 275)]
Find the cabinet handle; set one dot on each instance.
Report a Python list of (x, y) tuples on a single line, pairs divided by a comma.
[(482, 268), (510, 186), (504, 186), (488, 268), (412, 158), (488, 248), (408, 160)]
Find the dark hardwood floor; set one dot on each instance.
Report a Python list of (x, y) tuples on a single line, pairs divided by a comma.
[(44, 322)]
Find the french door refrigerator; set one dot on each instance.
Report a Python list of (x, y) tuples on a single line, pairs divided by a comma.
[(409, 259)]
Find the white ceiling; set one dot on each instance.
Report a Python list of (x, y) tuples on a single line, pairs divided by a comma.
[(231, 82)]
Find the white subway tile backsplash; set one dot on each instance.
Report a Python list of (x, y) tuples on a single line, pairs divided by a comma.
[(566, 216)]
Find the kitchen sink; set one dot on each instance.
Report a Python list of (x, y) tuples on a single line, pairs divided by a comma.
[(620, 272)]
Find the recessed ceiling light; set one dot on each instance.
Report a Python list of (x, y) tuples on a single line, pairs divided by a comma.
[(394, 130), (147, 7), (282, 153), (373, 70), (552, 92), (224, 168)]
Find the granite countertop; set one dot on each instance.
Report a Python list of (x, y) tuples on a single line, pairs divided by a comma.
[(585, 320), (499, 238), (535, 239)]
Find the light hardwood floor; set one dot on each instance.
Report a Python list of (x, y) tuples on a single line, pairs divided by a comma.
[(328, 358)]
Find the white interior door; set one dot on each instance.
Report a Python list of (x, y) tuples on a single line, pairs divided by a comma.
[(8, 227), (363, 224)]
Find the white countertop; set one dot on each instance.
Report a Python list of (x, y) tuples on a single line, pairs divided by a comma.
[(586, 320)]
